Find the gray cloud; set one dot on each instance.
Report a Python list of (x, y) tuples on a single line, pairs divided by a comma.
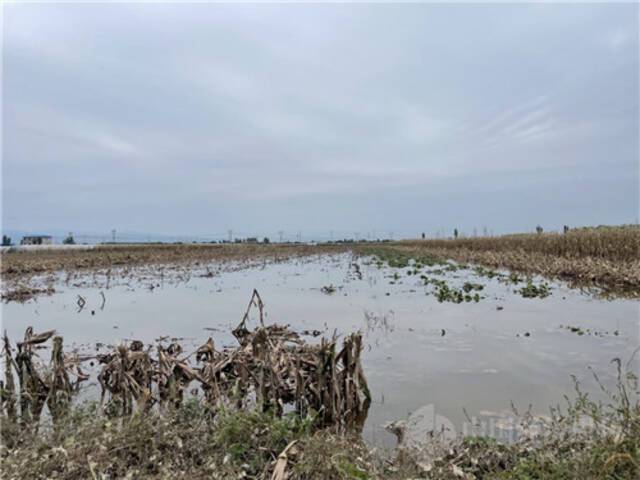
[(196, 118)]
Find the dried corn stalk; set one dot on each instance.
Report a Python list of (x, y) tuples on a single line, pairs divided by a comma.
[(60, 387), (8, 388)]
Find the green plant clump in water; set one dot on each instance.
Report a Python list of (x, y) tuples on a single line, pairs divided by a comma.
[(446, 294), (486, 272), (437, 282), (396, 258), (577, 330), (468, 286), (514, 278), (398, 262), (533, 291)]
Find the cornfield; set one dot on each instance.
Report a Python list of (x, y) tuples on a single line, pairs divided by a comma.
[(271, 369), (620, 244), (605, 259)]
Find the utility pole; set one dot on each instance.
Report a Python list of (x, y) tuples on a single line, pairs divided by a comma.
[(281, 235), (299, 236), (230, 236), (113, 235)]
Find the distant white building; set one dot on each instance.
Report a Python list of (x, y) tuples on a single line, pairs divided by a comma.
[(36, 240)]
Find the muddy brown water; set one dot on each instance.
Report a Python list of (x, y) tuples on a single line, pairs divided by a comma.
[(446, 358)]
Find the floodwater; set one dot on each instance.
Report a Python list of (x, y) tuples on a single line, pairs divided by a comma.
[(458, 360)]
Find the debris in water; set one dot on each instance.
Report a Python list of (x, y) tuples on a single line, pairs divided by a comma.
[(329, 289), (23, 294), (271, 368), (81, 303)]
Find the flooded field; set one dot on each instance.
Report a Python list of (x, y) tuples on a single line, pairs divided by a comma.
[(422, 349)]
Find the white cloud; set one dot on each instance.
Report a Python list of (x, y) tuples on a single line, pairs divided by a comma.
[(306, 103), (618, 39), (55, 129)]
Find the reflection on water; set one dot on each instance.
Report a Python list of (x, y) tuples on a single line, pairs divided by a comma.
[(478, 356)]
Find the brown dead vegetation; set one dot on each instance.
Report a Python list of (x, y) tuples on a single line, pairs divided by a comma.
[(22, 293), (604, 258), (258, 413), (25, 263), (271, 369)]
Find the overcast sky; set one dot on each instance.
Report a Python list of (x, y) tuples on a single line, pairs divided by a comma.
[(196, 119)]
